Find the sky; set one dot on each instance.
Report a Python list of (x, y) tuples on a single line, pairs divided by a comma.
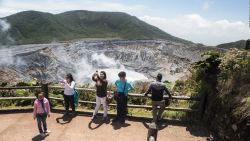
[(210, 22)]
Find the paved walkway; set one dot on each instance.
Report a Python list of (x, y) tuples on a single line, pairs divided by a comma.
[(22, 127)]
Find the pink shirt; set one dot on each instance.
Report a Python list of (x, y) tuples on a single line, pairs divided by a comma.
[(38, 109)]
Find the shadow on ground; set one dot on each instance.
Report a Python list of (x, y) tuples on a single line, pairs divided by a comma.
[(65, 119), (39, 138), (97, 123)]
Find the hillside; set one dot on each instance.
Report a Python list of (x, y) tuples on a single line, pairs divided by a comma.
[(37, 27), (238, 44), (223, 81)]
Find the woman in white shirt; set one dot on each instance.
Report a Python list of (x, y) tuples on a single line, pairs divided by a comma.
[(69, 86)]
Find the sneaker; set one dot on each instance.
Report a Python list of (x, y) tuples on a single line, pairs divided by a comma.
[(94, 117), (153, 125), (47, 131), (122, 121), (66, 113), (74, 114), (42, 135), (115, 119), (105, 118)]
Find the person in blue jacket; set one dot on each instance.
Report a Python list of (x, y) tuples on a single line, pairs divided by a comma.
[(121, 94)]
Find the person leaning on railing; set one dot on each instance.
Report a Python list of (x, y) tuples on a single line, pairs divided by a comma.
[(121, 97), (157, 90)]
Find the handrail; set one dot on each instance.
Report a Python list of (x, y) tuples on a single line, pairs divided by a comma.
[(136, 94), (20, 87), (200, 99), (135, 106), (17, 98), (88, 89), (112, 104)]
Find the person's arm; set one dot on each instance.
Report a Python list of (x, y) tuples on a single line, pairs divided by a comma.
[(104, 82), (35, 110), (63, 82), (71, 86), (94, 77), (48, 108), (116, 86), (130, 87), (148, 91), (168, 93)]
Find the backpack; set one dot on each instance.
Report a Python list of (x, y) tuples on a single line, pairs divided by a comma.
[(76, 97)]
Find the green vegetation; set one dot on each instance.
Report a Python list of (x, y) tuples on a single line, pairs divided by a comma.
[(224, 81), (238, 44), (30, 27)]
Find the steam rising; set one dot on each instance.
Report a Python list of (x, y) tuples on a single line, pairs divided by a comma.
[(84, 63), (4, 26), (100, 62)]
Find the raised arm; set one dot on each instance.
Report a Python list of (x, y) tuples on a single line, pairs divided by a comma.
[(95, 77), (71, 86)]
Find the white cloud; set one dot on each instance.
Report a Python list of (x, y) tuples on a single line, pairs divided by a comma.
[(195, 28)]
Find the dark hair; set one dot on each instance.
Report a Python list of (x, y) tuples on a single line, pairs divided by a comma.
[(122, 74), (104, 73), (70, 77), (159, 76), (39, 92)]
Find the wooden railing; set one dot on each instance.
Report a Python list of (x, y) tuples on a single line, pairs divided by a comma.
[(112, 104)]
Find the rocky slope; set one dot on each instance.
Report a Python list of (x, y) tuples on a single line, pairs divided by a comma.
[(142, 59)]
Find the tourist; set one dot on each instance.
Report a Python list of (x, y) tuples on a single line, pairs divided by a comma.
[(69, 86), (41, 112), (101, 93), (121, 97), (157, 90)]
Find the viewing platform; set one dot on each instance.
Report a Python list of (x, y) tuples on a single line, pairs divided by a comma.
[(22, 127)]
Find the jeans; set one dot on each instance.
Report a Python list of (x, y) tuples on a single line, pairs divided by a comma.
[(41, 122), (69, 100), (99, 101), (157, 114), (121, 106)]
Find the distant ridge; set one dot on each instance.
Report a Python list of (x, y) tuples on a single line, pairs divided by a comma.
[(237, 44), (30, 27)]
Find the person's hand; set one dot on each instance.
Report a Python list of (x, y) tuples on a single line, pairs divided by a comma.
[(170, 96), (34, 117), (96, 73), (63, 81)]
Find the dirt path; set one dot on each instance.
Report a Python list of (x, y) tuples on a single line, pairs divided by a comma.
[(21, 127)]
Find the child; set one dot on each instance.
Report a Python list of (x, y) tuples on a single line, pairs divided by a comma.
[(41, 112)]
